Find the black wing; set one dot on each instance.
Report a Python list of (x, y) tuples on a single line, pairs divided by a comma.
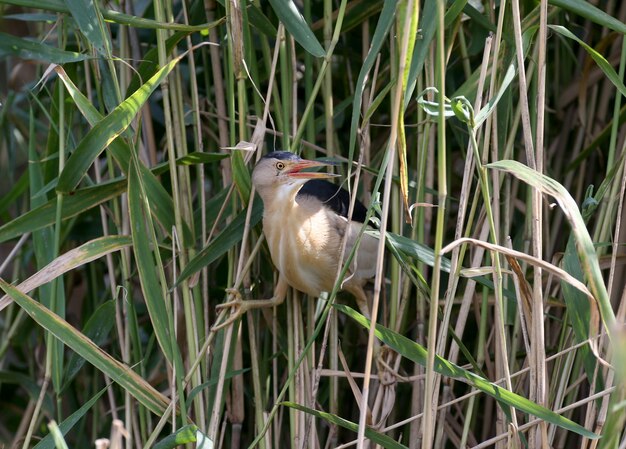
[(335, 197)]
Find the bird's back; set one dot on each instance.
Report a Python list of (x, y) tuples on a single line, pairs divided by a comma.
[(336, 200), (334, 197)]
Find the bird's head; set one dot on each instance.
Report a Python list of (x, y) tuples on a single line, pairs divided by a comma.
[(280, 173)]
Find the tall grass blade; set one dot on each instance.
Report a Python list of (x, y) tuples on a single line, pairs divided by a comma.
[(591, 12), (376, 437), (584, 245), (97, 329), (57, 436), (139, 388), (288, 14), (418, 354), (604, 65), (184, 435), (68, 423), (29, 49), (88, 18), (578, 307), (105, 131), (114, 16), (383, 26), (147, 264), (163, 208), (229, 237), (81, 201)]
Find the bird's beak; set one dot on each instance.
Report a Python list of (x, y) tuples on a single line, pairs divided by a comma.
[(295, 170)]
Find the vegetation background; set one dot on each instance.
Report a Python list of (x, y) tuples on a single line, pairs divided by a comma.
[(128, 133)]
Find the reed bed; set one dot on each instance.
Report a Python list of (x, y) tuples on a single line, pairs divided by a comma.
[(485, 138)]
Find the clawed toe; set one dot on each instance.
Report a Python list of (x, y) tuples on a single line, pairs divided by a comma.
[(238, 306), (232, 292)]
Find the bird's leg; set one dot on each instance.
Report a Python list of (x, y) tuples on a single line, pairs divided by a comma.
[(240, 306), (361, 299)]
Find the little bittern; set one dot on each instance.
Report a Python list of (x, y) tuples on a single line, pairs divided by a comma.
[(304, 221)]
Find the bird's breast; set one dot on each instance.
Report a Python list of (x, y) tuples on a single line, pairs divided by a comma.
[(304, 246)]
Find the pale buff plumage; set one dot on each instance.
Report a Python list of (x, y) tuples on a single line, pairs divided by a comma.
[(304, 236)]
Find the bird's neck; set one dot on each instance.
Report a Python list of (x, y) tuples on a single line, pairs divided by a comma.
[(282, 197)]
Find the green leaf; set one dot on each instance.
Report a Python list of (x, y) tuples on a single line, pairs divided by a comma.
[(198, 157), (96, 329), (604, 65), (57, 436), (584, 244), (150, 62), (128, 379), (428, 25), (48, 442), (184, 435), (76, 257), (288, 14), (415, 250), (376, 437), (241, 176), (30, 386), (615, 423), (260, 21), (88, 18), (382, 29), (453, 12), (418, 354), (578, 309), (114, 16), (593, 13), (228, 238), (32, 17), (105, 131), (28, 49), (378, 100), (163, 205), (482, 115), (142, 231), (479, 18), (9, 198), (214, 380), (431, 107), (81, 201)]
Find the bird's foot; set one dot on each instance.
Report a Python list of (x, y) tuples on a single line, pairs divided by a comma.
[(238, 305)]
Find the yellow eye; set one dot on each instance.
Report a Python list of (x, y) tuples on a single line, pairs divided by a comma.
[(280, 165)]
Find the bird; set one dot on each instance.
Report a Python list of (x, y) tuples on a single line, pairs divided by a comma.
[(305, 220)]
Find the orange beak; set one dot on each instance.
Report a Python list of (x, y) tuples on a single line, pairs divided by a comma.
[(294, 170)]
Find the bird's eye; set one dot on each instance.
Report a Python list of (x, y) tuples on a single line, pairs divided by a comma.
[(280, 165)]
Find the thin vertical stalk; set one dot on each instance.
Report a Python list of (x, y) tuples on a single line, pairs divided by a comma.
[(285, 87), (291, 366), (54, 354), (538, 356), (320, 78), (308, 78), (391, 151), (328, 80), (612, 147), (160, 8), (199, 146), (256, 377), (431, 383)]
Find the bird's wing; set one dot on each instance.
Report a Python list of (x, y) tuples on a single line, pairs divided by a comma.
[(363, 266), (334, 197)]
